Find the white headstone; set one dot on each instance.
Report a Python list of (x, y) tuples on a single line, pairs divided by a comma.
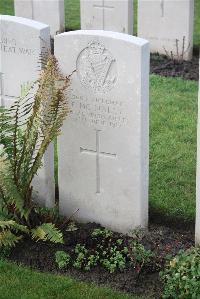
[(21, 44), (44, 182), (112, 15), (23, 8), (168, 25), (197, 228), (51, 12), (103, 148)]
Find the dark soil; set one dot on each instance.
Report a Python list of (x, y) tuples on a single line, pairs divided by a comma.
[(164, 66), (161, 240)]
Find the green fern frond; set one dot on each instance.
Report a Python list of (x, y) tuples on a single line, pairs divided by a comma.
[(4, 214), (8, 187), (26, 130), (8, 239), (13, 226), (47, 231)]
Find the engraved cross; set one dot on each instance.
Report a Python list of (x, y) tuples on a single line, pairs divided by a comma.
[(98, 154), (162, 4), (103, 7), (2, 89)]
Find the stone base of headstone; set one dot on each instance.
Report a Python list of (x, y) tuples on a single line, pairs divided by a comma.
[(44, 182)]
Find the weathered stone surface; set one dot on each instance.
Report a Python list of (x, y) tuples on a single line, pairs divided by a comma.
[(51, 12), (22, 42), (103, 148), (168, 25), (23, 8), (109, 15)]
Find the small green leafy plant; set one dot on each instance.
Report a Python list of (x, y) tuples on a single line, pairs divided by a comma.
[(181, 277), (83, 259), (26, 130), (111, 253), (103, 233), (62, 259), (114, 259), (138, 255)]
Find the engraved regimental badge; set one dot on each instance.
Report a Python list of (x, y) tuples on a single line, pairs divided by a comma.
[(96, 67)]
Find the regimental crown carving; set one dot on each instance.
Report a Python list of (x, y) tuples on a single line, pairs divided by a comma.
[(96, 68)]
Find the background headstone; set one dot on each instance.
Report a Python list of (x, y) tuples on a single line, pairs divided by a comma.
[(197, 228), (23, 8), (103, 148), (21, 44), (51, 12), (112, 15), (167, 25)]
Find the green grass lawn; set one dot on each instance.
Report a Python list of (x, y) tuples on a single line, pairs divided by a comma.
[(72, 13), (173, 127), (196, 41), (173, 118), (22, 283), (7, 7)]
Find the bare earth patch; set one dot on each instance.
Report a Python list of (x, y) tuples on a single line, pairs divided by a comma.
[(161, 240)]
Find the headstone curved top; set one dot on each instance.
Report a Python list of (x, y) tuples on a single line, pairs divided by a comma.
[(24, 21), (103, 148), (21, 43)]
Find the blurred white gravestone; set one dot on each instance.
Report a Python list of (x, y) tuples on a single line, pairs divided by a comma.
[(23, 8), (51, 12), (103, 147), (197, 228), (21, 43), (168, 25), (112, 15)]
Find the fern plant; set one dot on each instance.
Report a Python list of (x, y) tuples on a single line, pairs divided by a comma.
[(26, 130)]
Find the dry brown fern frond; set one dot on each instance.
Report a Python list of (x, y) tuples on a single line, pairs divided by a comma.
[(26, 130)]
